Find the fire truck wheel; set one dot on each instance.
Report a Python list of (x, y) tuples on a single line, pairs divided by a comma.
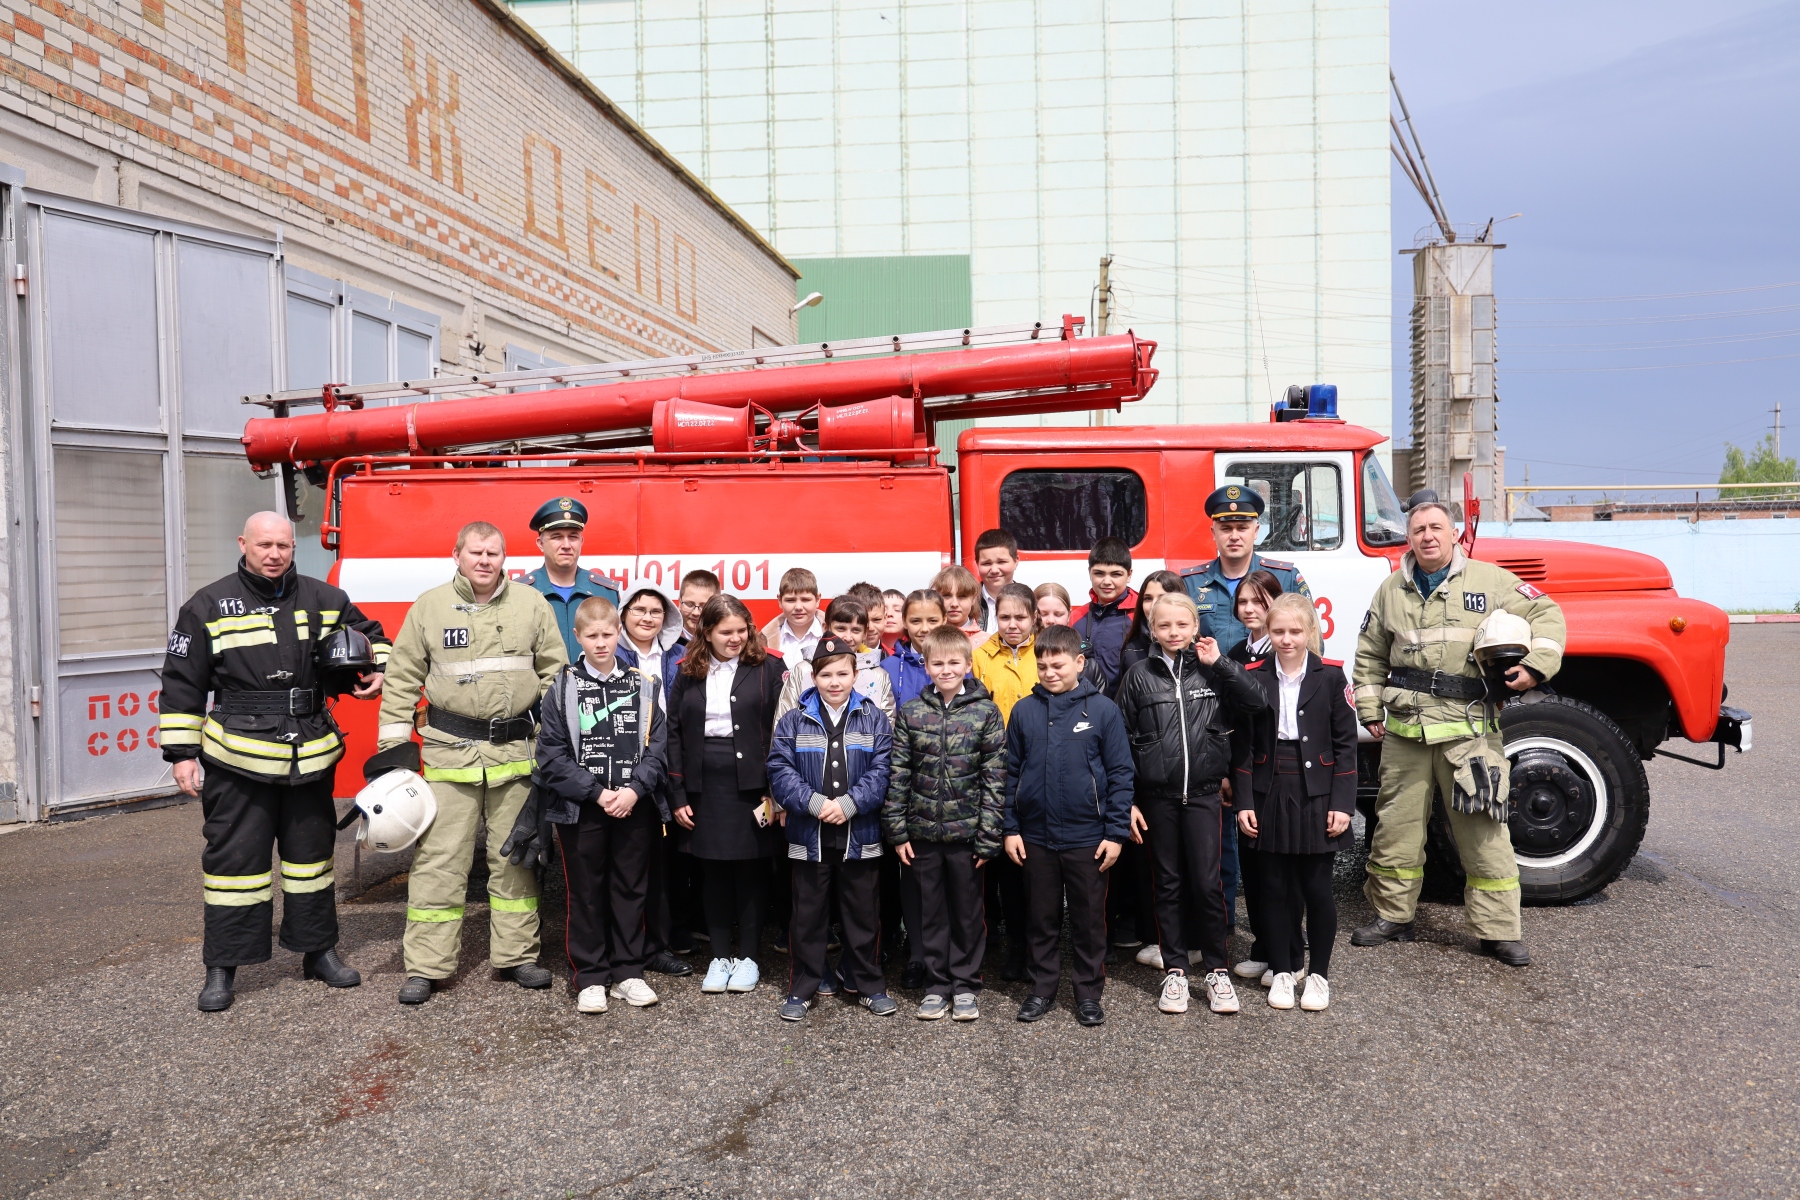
[(1580, 804)]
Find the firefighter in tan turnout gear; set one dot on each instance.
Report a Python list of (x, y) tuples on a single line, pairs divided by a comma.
[(482, 650), (1420, 691), (268, 747)]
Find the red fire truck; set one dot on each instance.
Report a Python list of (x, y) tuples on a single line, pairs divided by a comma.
[(824, 456)]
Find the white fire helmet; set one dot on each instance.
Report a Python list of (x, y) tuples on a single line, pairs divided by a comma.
[(397, 809), (1502, 641)]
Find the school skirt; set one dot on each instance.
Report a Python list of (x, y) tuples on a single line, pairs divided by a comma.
[(1288, 820), (724, 825)]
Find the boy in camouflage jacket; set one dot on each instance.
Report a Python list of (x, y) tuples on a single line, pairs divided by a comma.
[(946, 790)]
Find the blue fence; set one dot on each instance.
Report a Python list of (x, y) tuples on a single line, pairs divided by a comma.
[(1733, 564)]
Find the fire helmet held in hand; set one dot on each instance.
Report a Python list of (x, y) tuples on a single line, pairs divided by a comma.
[(345, 656)]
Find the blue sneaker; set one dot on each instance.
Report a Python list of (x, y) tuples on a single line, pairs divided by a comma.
[(718, 975), (828, 986), (744, 976), (794, 1009), (880, 1004)]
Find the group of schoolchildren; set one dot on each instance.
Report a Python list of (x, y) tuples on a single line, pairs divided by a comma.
[(947, 761)]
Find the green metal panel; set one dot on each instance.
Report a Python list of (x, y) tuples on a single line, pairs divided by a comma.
[(875, 297)]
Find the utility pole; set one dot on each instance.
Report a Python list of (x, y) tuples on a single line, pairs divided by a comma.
[(1105, 295), (1776, 410)]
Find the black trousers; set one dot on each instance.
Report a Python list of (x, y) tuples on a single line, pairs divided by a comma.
[(1184, 848), (952, 915), (1130, 899), (680, 897), (606, 872), (245, 819), (1005, 888), (1048, 875), (736, 892), (856, 884), (890, 901), (1295, 883)]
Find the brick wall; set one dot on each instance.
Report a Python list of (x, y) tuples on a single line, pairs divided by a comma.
[(433, 148)]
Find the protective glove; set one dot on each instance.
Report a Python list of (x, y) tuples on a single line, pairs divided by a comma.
[(530, 842)]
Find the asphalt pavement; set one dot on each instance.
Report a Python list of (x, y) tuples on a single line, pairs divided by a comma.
[(1650, 1050)]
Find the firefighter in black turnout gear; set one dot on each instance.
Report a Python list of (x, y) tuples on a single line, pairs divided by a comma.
[(268, 746)]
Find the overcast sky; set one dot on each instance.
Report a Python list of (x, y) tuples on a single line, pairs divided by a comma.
[(1654, 150)]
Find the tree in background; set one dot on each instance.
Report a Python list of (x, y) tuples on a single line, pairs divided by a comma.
[(1761, 465)]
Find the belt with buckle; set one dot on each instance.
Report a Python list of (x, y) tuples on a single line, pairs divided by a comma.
[(284, 702), (497, 730), (1438, 683)]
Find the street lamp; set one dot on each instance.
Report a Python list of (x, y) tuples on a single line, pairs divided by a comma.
[(811, 301)]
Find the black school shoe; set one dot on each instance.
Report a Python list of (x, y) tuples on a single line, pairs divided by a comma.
[(1089, 1012), (1036, 1008), (913, 977), (667, 964)]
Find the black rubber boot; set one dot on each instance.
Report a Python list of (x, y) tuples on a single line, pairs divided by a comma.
[(327, 966), (527, 975), (1513, 954), (216, 995), (1382, 930), (416, 990)]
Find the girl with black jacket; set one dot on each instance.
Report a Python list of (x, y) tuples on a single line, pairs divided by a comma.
[(1138, 642), (721, 720), (1179, 705), (1255, 592), (1298, 791)]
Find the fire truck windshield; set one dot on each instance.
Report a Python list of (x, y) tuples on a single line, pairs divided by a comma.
[(1383, 522)]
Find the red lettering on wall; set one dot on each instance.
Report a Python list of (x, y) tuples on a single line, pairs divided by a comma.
[(96, 744), (359, 70), (128, 704), (235, 54), (595, 223), (532, 225), (151, 702), (638, 217), (99, 707), (150, 738), (126, 740), (440, 116), (691, 310)]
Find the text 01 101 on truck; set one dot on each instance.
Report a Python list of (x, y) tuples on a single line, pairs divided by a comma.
[(824, 456)]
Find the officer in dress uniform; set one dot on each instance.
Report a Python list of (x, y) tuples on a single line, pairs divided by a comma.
[(559, 525), (1235, 511), (269, 747)]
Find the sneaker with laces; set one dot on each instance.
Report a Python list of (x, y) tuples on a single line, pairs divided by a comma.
[(1318, 994), (745, 975), (1220, 995), (1174, 998), (881, 1004), (933, 1007), (1151, 956), (1250, 969), (634, 992), (794, 1009), (1268, 977), (718, 975), (1281, 991), (591, 999), (964, 1008)]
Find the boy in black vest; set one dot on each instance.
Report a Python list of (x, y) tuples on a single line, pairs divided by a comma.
[(600, 770)]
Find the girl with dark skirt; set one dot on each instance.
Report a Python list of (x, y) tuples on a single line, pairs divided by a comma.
[(1302, 792), (1255, 592), (721, 720)]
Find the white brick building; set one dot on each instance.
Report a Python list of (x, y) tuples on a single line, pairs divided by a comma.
[(208, 198)]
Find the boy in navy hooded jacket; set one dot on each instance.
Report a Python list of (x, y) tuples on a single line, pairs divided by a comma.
[(1068, 813), (828, 770)]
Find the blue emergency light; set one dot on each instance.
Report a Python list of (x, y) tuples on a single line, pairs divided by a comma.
[(1321, 401)]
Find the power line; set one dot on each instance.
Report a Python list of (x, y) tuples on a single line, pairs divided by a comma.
[(1718, 362)]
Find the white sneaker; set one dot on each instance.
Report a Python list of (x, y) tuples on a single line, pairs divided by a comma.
[(591, 999), (1281, 991), (1250, 969), (634, 992), (1318, 994), (1268, 977), (1219, 993), (1151, 955), (1174, 997)]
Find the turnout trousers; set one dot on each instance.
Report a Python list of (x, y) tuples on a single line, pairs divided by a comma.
[(440, 880), (245, 819), (1411, 773)]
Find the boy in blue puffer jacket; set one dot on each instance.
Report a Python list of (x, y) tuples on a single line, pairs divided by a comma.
[(828, 769), (1068, 813)]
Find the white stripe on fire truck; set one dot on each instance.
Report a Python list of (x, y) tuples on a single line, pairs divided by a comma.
[(748, 576)]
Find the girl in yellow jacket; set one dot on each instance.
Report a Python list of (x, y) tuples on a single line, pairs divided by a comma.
[(1005, 663)]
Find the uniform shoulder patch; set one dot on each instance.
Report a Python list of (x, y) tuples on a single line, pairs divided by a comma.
[(1199, 568), (1277, 564), (180, 643), (1349, 695), (1529, 592), (598, 577), (1368, 616), (1333, 662)]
